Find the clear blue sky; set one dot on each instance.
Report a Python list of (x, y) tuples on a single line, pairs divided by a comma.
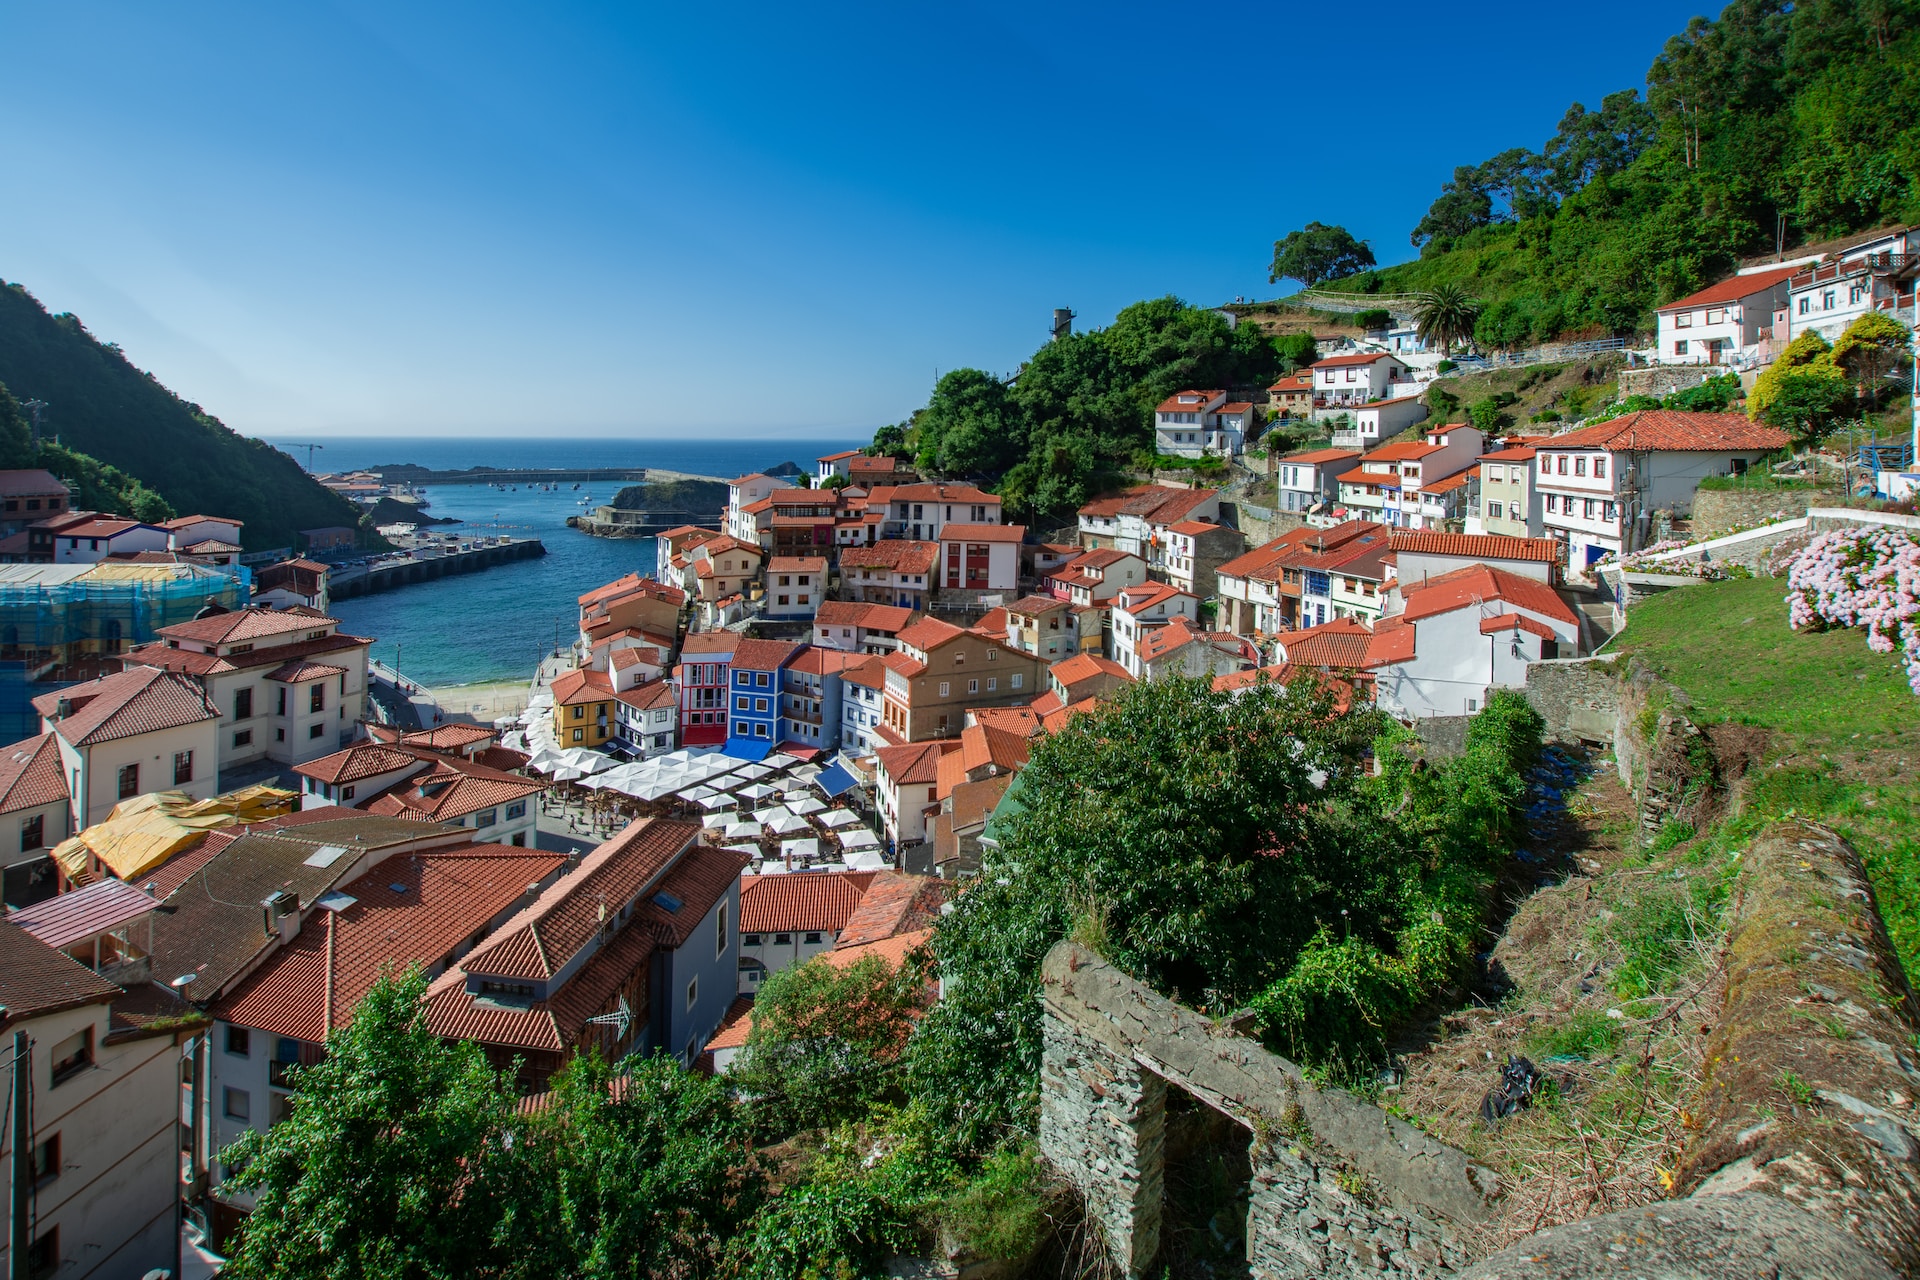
[(638, 219)]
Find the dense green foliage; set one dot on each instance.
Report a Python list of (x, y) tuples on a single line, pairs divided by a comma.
[(1081, 409), (97, 486), (1128, 843), (100, 406), (1318, 253), (404, 1158), (1802, 116)]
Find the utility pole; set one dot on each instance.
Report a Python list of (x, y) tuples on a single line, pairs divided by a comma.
[(20, 1228)]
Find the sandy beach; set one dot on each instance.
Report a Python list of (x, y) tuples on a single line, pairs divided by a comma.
[(482, 703)]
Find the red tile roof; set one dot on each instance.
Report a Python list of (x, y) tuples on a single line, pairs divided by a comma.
[(811, 900), (1393, 640), (31, 775), (1161, 641), (709, 644), (929, 633), (797, 564), (915, 762), (1086, 666), (1732, 289), (1024, 721), (300, 671), (897, 554), (1450, 483), (842, 456), (874, 617), (647, 697), (1157, 504), (632, 584), (893, 904), (361, 760), (1145, 595), (35, 979), (30, 483), (940, 492), (244, 624), (1516, 622), (1341, 643), (1480, 546), (1340, 362), (954, 531), (872, 673), (1672, 430), (982, 745), (763, 655), (1294, 382), (697, 882), (1519, 453), (452, 789), (1403, 451), (582, 684), (195, 663), (1480, 584), (546, 935), (137, 700)]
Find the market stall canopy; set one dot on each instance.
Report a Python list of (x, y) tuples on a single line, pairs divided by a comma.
[(859, 838), (805, 805), (835, 819)]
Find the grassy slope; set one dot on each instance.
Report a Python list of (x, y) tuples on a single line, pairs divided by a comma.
[(1845, 733), (104, 407)]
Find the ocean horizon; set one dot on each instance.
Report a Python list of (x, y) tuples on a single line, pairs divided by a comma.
[(725, 458)]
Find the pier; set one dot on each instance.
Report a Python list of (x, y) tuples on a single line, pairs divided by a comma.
[(428, 563), (413, 475)]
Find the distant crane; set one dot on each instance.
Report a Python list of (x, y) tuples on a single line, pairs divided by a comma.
[(291, 444)]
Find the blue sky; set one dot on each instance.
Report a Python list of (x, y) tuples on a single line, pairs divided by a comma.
[(637, 220)]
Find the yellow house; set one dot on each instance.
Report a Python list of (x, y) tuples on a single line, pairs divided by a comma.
[(583, 708)]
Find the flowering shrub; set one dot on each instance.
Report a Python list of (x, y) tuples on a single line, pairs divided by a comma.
[(1642, 561), (1861, 578)]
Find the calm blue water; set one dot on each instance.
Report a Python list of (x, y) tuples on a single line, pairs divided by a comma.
[(496, 624)]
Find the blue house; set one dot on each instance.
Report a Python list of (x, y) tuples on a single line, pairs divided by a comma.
[(810, 696), (753, 713)]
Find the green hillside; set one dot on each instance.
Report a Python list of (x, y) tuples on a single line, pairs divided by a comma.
[(121, 418), (1775, 123)]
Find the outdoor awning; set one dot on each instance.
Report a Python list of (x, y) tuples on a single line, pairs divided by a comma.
[(834, 780), (859, 838), (805, 805), (834, 819)]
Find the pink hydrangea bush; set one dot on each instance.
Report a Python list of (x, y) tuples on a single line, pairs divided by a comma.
[(1861, 578)]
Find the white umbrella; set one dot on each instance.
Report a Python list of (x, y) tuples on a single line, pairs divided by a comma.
[(567, 774), (834, 819), (805, 773), (754, 791), (771, 812), (800, 849), (860, 838), (716, 821), (864, 860), (743, 830), (694, 795), (752, 771), (787, 825), (717, 803), (780, 760), (805, 805)]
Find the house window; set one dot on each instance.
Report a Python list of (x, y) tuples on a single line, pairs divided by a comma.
[(814, 939), (45, 1161), (518, 809), (782, 939), (720, 931), (973, 686), (1609, 511), (1563, 464), (760, 679), (1804, 305), (1493, 511), (244, 738), (1600, 467), (346, 793), (742, 704), (1716, 315), (1553, 502), (1586, 510), (1580, 466), (993, 682), (316, 731), (43, 1256), (236, 1103), (760, 731), (1856, 293), (486, 817), (129, 781), (760, 704), (239, 1041), (579, 735), (943, 688), (182, 768), (72, 1056), (693, 992), (1826, 300), (33, 832), (1017, 680), (242, 704), (1683, 320)]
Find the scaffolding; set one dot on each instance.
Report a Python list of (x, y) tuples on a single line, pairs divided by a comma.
[(58, 614)]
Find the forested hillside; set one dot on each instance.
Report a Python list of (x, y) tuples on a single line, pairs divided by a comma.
[(1080, 410), (126, 423), (1776, 123)]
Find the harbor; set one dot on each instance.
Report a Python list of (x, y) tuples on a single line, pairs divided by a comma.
[(429, 556)]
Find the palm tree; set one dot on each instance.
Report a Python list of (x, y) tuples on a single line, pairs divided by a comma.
[(1445, 315)]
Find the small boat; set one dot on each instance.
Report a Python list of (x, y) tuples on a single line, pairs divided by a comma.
[(576, 486)]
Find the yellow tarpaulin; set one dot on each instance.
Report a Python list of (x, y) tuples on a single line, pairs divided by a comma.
[(145, 831)]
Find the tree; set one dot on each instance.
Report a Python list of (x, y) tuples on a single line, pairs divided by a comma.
[(888, 441), (1809, 350), (969, 427), (1872, 347), (1592, 144), (1317, 253), (390, 1163), (1445, 315), (1807, 401), (1462, 206), (826, 1041), (1296, 351), (1377, 318)]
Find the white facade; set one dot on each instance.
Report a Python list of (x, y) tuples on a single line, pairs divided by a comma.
[(185, 758), (1458, 659), (1305, 481), (1596, 509), (1728, 319), (1195, 424), (795, 589), (1132, 622), (859, 716), (1825, 298), (903, 807), (78, 548), (1349, 381), (1381, 420), (742, 493)]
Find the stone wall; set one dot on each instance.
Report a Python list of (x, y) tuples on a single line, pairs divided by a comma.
[(1718, 511), (1663, 379), (1579, 698), (1443, 736), (1339, 1188), (1261, 525)]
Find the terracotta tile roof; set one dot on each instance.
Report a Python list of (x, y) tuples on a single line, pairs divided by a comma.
[(810, 900), (407, 910), (1294, 382), (697, 882), (1403, 451), (748, 478), (983, 745), (893, 950), (872, 673), (361, 760), (1036, 606), (874, 617), (763, 655), (992, 624), (1519, 453), (451, 789), (735, 1026), (903, 663), (550, 1025), (897, 554), (1381, 404), (1393, 641), (632, 584), (1195, 528), (30, 483), (300, 671), (447, 737), (639, 655), (893, 904), (1482, 546), (1044, 705), (194, 663), (842, 456), (797, 564), (1450, 483), (1161, 641), (940, 492), (1673, 430), (818, 660), (135, 701), (1341, 362), (757, 508), (35, 979), (1189, 401), (1157, 504), (31, 775), (647, 697), (915, 763), (880, 463), (1100, 559), (1479, 584), (929, 633), (244, 624), (102, 527), (1055, 721), (211, 547), (1732, 289), (547, 934), (1086, 666), (1145, 595), (709, 644), (1264, 557), (582, 684), (1362, 476), (1341, 643), (1022, 721), (954, 531)]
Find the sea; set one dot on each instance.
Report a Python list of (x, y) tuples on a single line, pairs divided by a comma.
[(498, 623)]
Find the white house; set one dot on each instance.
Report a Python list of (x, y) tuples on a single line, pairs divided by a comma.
[(1722, 320), (645, 719), (744, 492), (1825, 298), (1419, 556), (980, 557), (138, 730), (1306, 480), (918, 512), (34, 817), (1448, 641), (1387, 485), (1344, 383), (786, 920), (1180, 648), (1138, 610), (856, 627), (1601, 485), (1129, 521), (106, 1109), (795, 587), (289, 684), (213, 536), (1193, 424), (835, 464), (1380, 420), (91, 541), (399, 781), (906, 789)]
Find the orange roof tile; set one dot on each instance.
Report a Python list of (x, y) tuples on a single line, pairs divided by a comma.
[(1672, 430), (31, 774), (1479, 584), (915, 762), (1341, 643), (1732, 289), (582, 684), (135, 701), (813, 900), (1484, 546)]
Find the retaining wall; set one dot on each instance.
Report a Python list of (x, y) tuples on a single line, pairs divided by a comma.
[(1718, 511), (1664, 379)]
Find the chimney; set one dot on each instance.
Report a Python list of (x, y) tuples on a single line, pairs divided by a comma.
[(280, 915)]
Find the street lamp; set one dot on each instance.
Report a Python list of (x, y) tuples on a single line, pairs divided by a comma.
[(398, 684)]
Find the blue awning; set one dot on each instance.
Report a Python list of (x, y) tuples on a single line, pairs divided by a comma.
[(748, 748), (835, 780)]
